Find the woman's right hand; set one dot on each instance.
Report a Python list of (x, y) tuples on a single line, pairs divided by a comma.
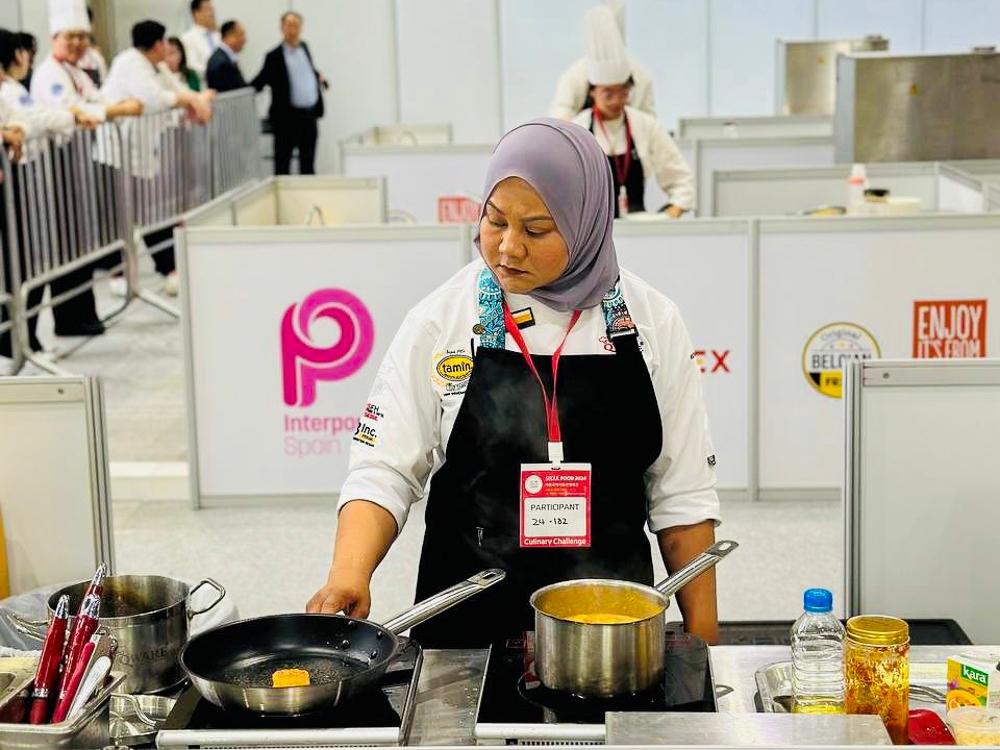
[(345, 591), (364, 532)]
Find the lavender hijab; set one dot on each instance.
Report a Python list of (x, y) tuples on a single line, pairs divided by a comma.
[(567, 167)]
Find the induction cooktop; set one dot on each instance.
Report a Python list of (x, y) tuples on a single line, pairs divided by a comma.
[(515, 707), (378, 717)]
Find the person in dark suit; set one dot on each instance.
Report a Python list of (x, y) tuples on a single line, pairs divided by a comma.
[(296, 97), (223, 71)]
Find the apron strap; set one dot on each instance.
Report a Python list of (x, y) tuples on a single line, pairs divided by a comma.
[(617, 318), (492, 334)]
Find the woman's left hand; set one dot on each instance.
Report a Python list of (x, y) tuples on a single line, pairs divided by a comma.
[(679, 546)]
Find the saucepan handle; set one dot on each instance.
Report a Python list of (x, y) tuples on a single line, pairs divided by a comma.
[(435, 605), (206, 582), (33, 629), (706, 560)]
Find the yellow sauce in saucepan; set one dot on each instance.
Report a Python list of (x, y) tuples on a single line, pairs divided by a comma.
[(601, 618)]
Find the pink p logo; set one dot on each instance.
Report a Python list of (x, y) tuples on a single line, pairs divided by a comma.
[(303, 363)]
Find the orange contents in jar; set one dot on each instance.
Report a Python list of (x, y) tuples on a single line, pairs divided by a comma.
[(877, 671)]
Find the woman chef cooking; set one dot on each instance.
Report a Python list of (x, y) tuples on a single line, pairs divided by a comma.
[(637, 144), (543, 369)]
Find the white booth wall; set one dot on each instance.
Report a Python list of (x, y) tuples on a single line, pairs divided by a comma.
[(792, 190), (265, 416), (868, 278), (760, 297)]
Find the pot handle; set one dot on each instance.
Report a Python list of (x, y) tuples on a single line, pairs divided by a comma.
[(705, 561), (435, 605), (137, 709), (206, 582), (33, 629)]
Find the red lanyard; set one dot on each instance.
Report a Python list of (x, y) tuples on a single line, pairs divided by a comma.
[(622, 162), (551, 412)]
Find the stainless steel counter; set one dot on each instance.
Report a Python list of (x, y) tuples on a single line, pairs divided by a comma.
[(448, 697), (736, 666), (745, 730), (450, 681)]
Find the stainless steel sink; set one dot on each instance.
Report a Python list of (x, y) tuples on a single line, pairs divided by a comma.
[(928, 684)]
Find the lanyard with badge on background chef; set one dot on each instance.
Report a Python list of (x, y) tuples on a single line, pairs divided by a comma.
[(622, 163), (555, 496)]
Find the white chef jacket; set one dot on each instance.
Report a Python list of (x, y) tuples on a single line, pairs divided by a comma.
[(44, 119), (412, 409), (133, 76), (574, 85), (198, 49), (13, 117), (64, 85), (657, 151)]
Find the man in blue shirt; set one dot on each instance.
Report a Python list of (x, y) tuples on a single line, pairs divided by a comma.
[(296, 97)]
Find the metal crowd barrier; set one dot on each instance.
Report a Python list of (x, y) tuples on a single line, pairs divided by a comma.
[(101, 199), (235, 140), (169, 166), (8, 274), (65, 219), (176, 166)]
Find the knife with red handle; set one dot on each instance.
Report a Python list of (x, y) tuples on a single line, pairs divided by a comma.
[(83, 628), (48, 665), (96, 586)]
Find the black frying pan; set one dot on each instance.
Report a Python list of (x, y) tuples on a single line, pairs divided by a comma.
[(231, 665)]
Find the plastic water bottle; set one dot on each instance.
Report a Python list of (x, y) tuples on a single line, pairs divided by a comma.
[(818, 657), (857, 183)]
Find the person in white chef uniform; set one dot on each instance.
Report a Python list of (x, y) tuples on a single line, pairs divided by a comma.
[(635, 142), (59, 82), (202, 39), (573, 88)]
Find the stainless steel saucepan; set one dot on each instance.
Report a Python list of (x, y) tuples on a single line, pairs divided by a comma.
[(601, 638)]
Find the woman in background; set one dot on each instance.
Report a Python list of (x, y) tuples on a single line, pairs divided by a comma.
[(637, 144), (175, 65)]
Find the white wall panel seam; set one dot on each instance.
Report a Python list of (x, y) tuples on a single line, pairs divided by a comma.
[(501, 108), (753, 365), (923, 26), (708, 59), (816, 19), (398, 81)]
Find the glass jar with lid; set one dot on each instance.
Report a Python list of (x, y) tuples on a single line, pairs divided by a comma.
[(877, 671)]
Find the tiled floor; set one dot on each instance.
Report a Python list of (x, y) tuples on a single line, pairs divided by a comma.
[(272, 558), (139, 362)]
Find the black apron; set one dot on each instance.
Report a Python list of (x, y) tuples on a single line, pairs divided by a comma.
[(609, 418), (635, 179)]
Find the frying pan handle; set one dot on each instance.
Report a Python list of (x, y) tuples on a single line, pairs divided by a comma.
[(705, 561), (435, 605)]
